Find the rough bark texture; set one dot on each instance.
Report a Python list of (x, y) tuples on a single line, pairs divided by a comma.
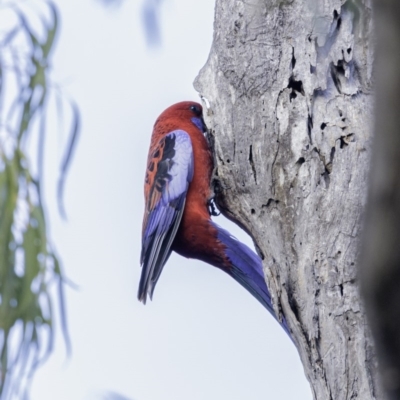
[(289, 88), (380, 261)]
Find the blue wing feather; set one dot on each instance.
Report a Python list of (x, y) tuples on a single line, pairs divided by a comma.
[(165, 202)]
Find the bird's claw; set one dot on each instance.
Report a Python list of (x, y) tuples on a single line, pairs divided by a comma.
[(212, 209)]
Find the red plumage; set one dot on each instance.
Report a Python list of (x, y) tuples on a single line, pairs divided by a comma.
[(178, 116), (194, 236)]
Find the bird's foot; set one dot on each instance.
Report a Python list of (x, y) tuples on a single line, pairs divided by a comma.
[(212, 209)]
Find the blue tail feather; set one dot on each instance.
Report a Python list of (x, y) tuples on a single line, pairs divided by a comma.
[(247, 270)]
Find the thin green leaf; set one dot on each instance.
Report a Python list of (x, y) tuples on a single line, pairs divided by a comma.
[(25, 25), (61, 299), (51, 33), (31, 246), (73, 138)]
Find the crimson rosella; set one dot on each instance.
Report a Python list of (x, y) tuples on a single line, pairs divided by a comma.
[(177, 199)]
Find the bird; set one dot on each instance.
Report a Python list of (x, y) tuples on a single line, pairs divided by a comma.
[(179, 204)]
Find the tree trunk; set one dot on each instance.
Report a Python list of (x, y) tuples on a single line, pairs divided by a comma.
[(289, 88), (380, 260)]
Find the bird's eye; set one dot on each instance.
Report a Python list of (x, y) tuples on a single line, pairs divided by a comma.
[(195, 109)]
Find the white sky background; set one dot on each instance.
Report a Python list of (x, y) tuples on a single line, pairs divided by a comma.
[(203, 337)]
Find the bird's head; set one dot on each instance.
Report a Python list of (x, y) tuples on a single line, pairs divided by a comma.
[(184, 111)]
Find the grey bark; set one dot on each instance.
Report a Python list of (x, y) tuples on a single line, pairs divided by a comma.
[(380, 261), (289, 89)]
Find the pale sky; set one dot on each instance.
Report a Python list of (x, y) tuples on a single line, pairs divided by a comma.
[(203, 337)]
